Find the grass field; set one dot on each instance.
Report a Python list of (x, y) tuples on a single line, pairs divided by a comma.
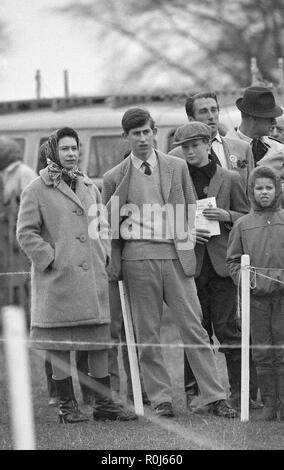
[(185, 431)]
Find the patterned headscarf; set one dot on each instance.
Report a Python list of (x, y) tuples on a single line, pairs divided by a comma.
[(49, 152)]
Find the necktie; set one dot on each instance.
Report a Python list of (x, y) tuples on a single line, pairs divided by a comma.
[(213, 154), (259, 149), (147, 168)]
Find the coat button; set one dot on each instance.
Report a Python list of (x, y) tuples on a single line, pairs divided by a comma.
[(85, 266), (79, 212), (83, 238)]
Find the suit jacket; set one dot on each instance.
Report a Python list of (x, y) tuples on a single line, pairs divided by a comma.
[(177, 189), (226, 186), (238, 155), (274, 144)]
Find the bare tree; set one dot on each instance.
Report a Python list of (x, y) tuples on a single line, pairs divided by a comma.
[(187, 43)]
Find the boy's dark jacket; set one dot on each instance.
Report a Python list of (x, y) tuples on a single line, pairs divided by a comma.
[(260, 234)]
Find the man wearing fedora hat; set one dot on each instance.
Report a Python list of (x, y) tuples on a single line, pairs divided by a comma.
[(259, 112), (216, 291), (228, 153)]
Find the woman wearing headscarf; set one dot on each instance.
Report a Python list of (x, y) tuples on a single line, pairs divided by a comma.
[(14, 177), (70, 303)]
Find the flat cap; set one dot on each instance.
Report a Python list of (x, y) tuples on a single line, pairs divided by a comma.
[(191, 131)]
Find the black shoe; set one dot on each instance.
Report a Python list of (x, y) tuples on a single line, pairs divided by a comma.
[(164, 409), (112, 411), (222, 409)]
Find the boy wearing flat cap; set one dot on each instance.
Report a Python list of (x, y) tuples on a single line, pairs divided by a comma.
[(259, 112), (216, 291)]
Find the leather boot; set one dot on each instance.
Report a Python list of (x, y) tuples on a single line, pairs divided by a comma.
[(267, 385), (280, 389), (105, 408), (68, 411)]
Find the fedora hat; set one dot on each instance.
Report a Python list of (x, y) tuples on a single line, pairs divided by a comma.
[(191, 131), (259, 101)]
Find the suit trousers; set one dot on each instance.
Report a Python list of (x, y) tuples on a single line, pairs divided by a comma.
[(149, 283)]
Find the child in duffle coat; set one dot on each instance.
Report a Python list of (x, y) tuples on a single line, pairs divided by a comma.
[(260, 234)]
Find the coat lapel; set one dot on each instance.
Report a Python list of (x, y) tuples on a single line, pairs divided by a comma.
[(166, 174), (64, 188), (122, 183), (82, 188), (227, 153), (215, 183)]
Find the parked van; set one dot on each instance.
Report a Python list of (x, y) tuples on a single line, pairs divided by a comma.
[(98, 122)]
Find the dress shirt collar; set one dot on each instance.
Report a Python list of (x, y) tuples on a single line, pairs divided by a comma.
[(217, 138), (137, 162), (243, 136)]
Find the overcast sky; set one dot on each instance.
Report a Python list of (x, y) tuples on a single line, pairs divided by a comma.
[(51, 43)]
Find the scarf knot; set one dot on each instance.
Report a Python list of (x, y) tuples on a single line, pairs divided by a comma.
[(56, 172)]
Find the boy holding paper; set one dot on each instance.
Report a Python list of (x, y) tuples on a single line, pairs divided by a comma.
[(215, 288)]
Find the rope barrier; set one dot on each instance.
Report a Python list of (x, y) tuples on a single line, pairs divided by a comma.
[(158, 345), (252, 269), (15, 273)]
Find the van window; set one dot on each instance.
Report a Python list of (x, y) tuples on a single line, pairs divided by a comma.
[(105, 153)]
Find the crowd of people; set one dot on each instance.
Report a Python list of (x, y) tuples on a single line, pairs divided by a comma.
[(148, 235)]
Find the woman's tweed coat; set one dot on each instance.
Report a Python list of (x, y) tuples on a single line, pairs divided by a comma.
[(69, 280)]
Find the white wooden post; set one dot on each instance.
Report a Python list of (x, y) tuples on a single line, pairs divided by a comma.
[(245, 309), (17, 360), (131, 348)]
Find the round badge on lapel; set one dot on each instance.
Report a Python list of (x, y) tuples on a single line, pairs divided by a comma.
[(233, 158), (234, 161)]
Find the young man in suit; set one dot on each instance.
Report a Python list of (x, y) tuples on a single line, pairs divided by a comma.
[(216, 291), (229, 153), (157, 260), (259, 112)]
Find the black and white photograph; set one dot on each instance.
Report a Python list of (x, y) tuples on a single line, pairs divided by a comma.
[(141, 224)]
